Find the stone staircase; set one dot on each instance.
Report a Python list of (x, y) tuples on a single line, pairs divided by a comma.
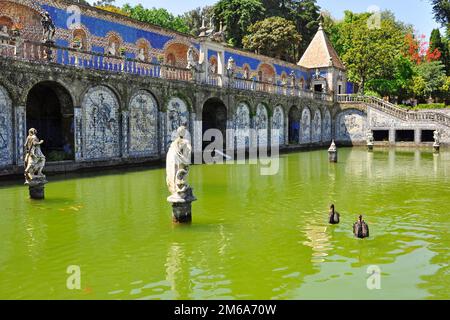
[(394, 110)]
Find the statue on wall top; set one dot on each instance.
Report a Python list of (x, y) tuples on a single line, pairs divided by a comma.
[(4, 34), (141, 55), (177, 168), (34, 159), (192, 63), (49, 30), (112, 50), (231, 66)]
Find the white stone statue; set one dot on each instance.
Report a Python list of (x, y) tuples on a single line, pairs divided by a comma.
[(4, 35), (246, 74), (192, 64), (34, 159), (437, 138), (48, 27), (177, 168), (112, 50), (141, 55), (231, 66)]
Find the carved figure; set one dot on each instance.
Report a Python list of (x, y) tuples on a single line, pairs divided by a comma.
[(34, 158)]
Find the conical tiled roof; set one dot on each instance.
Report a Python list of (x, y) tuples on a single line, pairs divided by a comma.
[(320, 53)]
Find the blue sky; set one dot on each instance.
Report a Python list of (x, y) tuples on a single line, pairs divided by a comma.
[(415, 12)]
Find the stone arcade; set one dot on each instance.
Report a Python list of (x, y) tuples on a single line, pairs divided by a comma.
[(94, 106)]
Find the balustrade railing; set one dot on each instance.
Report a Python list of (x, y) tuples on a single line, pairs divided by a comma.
[(32, 51), (394, 110), (285, 90)]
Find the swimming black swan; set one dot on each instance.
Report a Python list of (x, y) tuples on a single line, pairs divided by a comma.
[(360, 228), (333, 216)]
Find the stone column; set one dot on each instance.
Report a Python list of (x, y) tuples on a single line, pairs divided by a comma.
[(417, 136), (125, 133), (391, 136), (21, 133), (197, 139), (78, 133)]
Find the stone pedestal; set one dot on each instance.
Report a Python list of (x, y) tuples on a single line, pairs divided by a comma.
[(332, 156), (181, 208), (370, 147), (436, 148), (36, 188), (182, 212)]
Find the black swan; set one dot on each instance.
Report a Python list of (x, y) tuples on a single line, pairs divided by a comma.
[(360, 228)]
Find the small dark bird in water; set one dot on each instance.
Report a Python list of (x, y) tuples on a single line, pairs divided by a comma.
[(334, 216), (361, 229)]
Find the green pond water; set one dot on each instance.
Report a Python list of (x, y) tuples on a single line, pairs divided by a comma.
[(252, 236)]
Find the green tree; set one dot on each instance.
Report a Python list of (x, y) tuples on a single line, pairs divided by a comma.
[(436, 42), (441, 10), (399, 83), (238, 16), (160, 17), (193, 19), (305, 14), (275, 37), (100, 3), (369, 53), (433, 79)]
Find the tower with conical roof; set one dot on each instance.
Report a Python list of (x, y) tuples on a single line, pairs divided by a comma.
[(328, 73)]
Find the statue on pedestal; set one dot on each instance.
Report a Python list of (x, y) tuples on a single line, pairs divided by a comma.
[(34, 164), (437, 141), (177, 170), (332, 152)]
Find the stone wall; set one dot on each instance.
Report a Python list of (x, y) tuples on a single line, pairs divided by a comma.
[(120, 116)]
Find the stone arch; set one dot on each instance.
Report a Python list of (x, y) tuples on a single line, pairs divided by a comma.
[(82, 33), (25, 16), (262, 124), (284, 78), (50, 109), (214, 116), (277, 133), (143, 119), (316, 127), (246, 71), (6, 128), (177, 115), (305, 126), (266, 73), (326, 127), (294, 125), (301, 83), (114, 43), (351, 126), (177, 51), (6, 21), (101, 123), (241, 124)]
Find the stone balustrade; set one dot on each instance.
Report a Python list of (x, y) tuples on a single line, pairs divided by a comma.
[(393, 110), (26, 50)]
